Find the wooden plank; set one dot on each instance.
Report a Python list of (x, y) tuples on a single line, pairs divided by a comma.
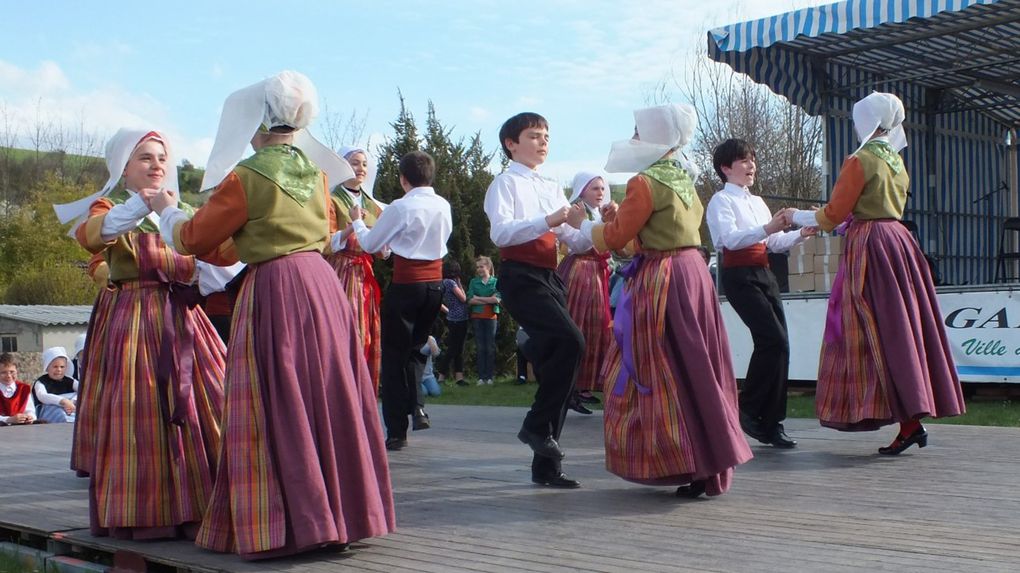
[(465, 503)]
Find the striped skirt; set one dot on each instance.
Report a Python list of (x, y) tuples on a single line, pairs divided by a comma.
[(303, 462), (886, 358), (90, 387), (359, 284), (674, 419), (150, 478), (587, 280)]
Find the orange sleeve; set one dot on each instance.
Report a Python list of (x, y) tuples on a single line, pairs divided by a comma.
[(634, 212), (89, 233), (215, 222), (99, 270), (846, 192)]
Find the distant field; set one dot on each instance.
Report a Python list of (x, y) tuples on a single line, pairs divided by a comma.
[(24, 154)]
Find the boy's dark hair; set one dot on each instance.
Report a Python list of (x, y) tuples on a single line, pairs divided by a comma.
[(8, 358), (729, 151), (418, 168), (513, 127), (451, 270)]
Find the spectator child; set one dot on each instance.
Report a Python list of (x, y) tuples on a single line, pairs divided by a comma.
[(16, 406), (56, 393), (429, 384), (484, 300)]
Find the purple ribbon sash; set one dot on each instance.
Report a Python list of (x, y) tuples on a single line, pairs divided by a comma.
[(623, 330)]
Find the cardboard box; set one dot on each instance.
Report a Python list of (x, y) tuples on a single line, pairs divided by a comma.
[(800, 264), (806, 249), (823, 282), (825, 264), (830, 245), (802, 283)]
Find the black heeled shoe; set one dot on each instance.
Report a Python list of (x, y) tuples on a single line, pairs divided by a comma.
[(919, 437), (692, 490)]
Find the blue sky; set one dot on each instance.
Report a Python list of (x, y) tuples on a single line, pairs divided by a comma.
[(583, 64)]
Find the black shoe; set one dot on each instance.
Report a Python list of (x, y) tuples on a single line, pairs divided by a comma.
[(752, 428), (394, 444), (589, 399), (919, 437), (778, 439), (576, 405), (463, 382), (544, 446), (420, 420), (692, 490), (520, 380), (560, 480)]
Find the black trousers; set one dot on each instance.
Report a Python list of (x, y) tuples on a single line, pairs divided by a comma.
[(406, 317), (537, 300), (453, 359), (754, 295)]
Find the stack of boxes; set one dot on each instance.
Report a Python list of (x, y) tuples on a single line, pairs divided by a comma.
[(813, 264)]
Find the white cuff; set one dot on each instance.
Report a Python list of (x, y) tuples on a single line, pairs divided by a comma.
[(337, 242), (124, 217), (540, 225), (171, 216), (805, 218), (586, 227)]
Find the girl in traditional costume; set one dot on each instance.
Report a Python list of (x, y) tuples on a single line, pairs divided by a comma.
[(885, 356), (303, 463), (351, 263), (671, 413), (152, 391), (586, 276)]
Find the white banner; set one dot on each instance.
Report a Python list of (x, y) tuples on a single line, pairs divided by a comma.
[(983, 327)]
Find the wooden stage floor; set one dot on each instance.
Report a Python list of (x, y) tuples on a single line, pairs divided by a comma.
[(465, 503)]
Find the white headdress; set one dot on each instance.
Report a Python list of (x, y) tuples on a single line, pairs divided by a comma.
[(369, 182), (118, 151), (880, 110), (51, 354), (661, 129), (336, 168), (581, 181), (288, 99)]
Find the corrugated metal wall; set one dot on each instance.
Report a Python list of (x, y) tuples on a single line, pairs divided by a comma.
[(956, 200)]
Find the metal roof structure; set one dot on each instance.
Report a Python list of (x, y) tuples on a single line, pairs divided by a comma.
[(967, 49), (47, 315), (956, 66)]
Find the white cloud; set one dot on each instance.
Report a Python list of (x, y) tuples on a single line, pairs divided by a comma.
[(479, 113), (46, 97)]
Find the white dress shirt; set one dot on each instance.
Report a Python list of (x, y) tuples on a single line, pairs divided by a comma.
[(8, 392), (416, 226), (596, 219), (517, 203), (737, 219)]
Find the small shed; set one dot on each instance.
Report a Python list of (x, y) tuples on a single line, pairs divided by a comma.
[(33, 328)]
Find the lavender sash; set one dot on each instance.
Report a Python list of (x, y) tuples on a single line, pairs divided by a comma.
[(623, 330)]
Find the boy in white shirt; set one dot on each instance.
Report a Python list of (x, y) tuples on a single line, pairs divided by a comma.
[(527, 213), (416, 228), (743, 230)]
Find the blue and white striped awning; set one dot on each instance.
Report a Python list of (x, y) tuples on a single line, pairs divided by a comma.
[(968, 49)]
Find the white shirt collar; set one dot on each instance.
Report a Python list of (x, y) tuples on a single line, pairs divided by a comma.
[(522, 169), (736, 189), (425, 190), (8, 390)]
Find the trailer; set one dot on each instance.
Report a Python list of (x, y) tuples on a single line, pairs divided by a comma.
[(956, 65)]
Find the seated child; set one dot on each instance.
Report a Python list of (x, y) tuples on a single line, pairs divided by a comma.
[(429, 384), (16, 406), (55, 392)]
